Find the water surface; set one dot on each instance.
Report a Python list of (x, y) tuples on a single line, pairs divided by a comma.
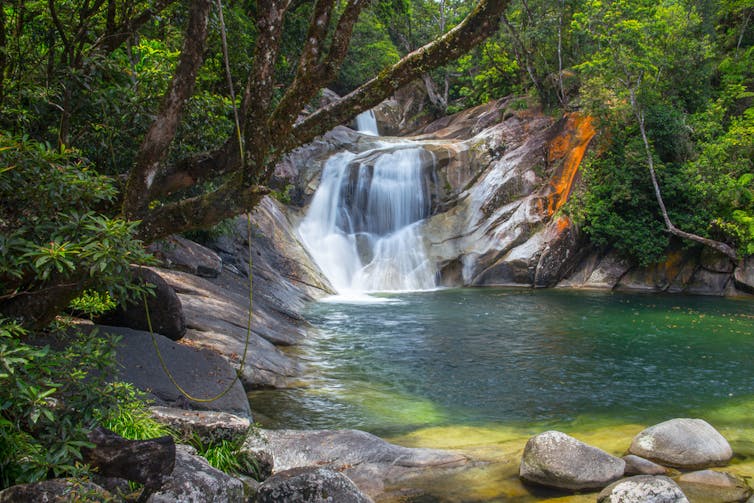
[(483, 369)]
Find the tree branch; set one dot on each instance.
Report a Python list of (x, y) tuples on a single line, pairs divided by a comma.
[(160, 135), (711, 243), (477, 26), (200, 212)]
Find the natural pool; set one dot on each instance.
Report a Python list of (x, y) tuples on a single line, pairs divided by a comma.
[(482, 369)]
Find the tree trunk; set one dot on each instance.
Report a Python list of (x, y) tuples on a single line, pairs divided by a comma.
[(711, 243)]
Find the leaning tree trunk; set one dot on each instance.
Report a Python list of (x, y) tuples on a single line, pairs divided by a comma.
[(711, 243)]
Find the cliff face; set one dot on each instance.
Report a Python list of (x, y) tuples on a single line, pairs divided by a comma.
[(498, 176)]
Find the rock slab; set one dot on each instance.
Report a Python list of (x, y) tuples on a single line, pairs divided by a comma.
[(555, 459), (683, 443), (208, 426), (643, 489), (310, 485)]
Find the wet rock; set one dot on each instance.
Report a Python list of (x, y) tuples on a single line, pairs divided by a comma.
[(673, 275), (555, 459), (206, 426), (643, 489), (561, 253), (706, 282), (147, 462), (177, 252), (201, 372), (743, 276), (193, 480), (636, 465), (608, 272), (366, 459), (165, 309), (310, 485), (338, 448), (715, 261), (683, 443), (710, 486)]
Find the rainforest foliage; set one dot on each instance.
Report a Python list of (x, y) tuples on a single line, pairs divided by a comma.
[(123, 121)]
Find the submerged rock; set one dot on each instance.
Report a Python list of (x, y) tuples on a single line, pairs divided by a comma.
[(310, 485), (683, 443), (558, 460), (643, 489), (193, 480), (714, 487)]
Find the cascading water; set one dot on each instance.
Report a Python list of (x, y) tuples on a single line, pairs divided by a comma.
[(363, 224), (366, 123)]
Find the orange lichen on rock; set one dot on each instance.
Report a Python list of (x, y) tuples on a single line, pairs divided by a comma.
[(569, 146)]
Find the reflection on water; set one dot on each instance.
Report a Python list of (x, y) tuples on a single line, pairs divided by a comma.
[(482, 369)]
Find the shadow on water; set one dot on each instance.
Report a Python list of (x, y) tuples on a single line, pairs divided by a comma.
[(481, 370)]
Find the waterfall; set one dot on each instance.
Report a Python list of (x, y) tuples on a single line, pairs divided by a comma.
[(363, 224), (367, 123)]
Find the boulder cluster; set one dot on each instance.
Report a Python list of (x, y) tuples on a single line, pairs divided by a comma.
[(666, 463)]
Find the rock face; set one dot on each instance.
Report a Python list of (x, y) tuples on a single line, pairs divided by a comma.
[(714, 487), (683, 443), (643, 489), (138, 364), (193, 480), (165, 309), (310, 485), (555, 459)]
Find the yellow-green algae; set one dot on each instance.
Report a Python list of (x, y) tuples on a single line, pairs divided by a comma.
[(496, 450)]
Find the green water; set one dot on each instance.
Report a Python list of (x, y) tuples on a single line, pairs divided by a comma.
[(481, 370), (520, 358)]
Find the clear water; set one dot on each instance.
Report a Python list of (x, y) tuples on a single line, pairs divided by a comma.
[(481, 357)]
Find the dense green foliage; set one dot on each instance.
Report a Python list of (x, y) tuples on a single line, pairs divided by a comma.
[(81, 82)]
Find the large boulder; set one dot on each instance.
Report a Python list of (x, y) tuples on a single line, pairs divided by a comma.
[(57, 491), (200, 372), (555, 459), (310, 485), (683, 443), (208, 426), (714, 487), (165, 309), (643, 489), (193, 480), (147, 462)]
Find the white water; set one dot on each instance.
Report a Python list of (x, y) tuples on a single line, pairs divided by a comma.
[(367, 123), (363, 225)]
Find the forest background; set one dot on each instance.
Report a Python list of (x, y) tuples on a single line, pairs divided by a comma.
[(123, 121)]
